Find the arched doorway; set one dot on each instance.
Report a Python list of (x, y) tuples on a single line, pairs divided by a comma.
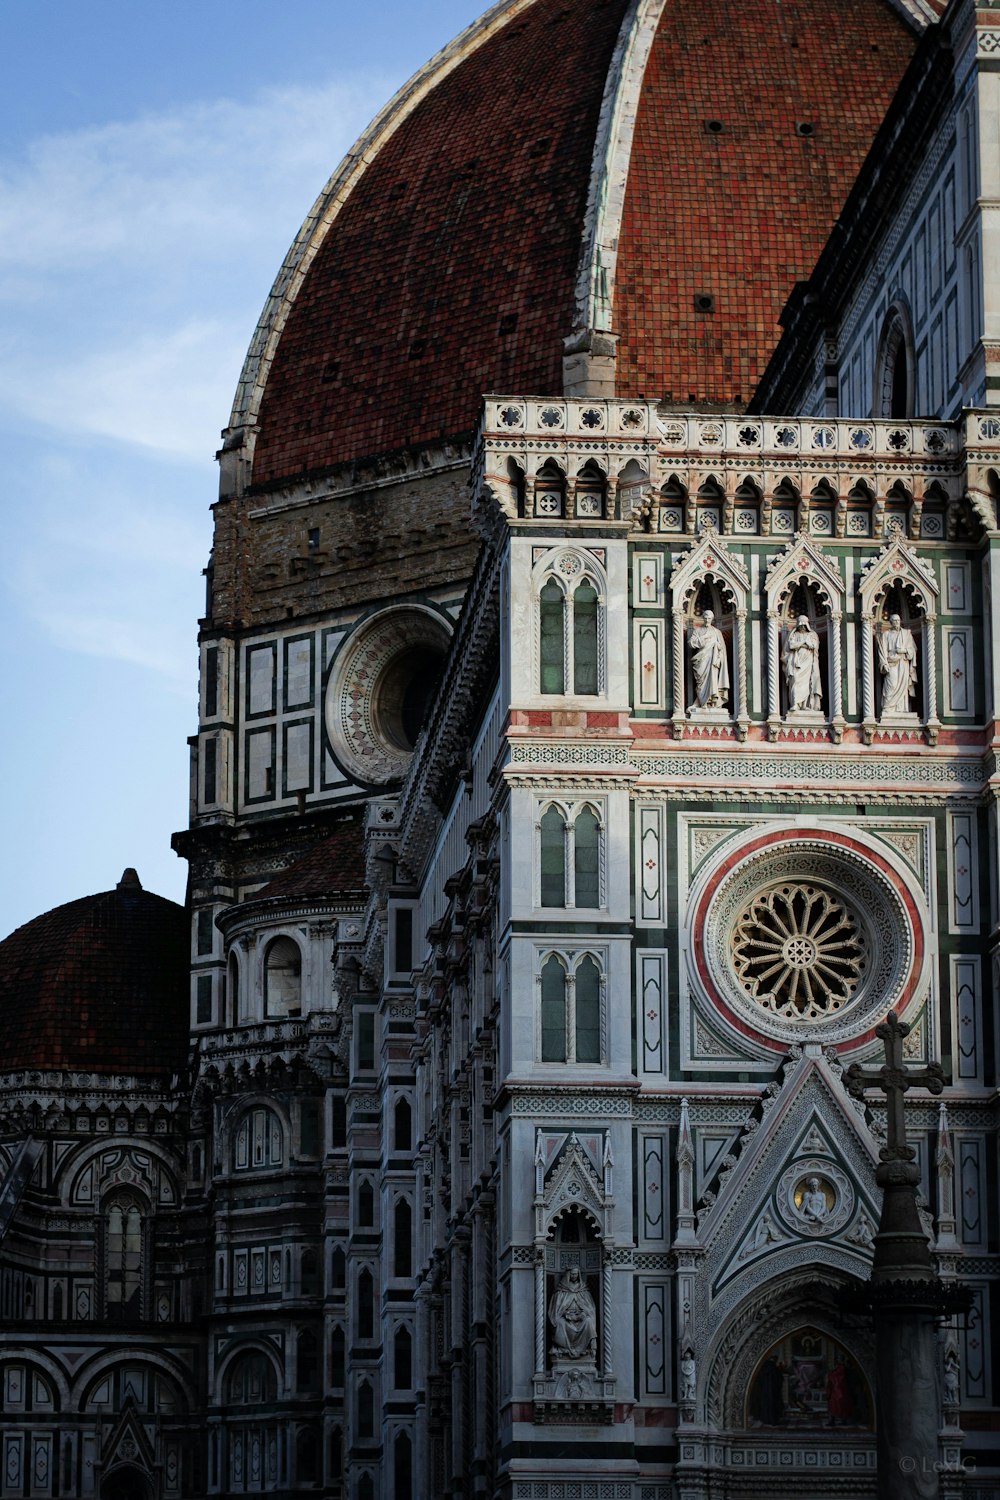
[(787, 1397), (126, 1482)]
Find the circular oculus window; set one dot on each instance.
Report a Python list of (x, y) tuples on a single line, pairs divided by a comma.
[(806, 936), (381, 689)]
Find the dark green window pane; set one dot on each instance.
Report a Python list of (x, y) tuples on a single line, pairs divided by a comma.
[(553, 605), (402, 1264), (553, 859), (366, 1306), (587, 860), (366, 1039), (204, 995), (403, 1359), (585, 639), (588, 1012), (553, 1012)]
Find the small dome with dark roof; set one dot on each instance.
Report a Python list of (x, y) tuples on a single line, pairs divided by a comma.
[(100, 984)]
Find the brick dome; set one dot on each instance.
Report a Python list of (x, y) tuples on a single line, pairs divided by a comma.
[(658, 172), (100, 984)]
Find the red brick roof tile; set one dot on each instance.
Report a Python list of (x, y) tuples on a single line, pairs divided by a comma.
[(100, 984), (336, 866), (742, 214), (451, 268)]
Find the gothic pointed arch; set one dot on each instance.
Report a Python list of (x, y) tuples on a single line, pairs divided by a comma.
[(569, 594), (804, 1302), (574, 1251), (894, 389), (896, 582), (803, 567), (710, 564)]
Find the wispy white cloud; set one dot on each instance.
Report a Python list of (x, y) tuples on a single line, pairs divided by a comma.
[(194, 181), (110, 571), (134, 258), (168, 391)]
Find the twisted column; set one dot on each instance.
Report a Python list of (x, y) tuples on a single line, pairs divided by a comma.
[(867, 669), (678, 645), (607, 1363), (539, 1311)]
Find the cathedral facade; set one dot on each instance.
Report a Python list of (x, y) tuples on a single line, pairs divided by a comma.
[(597, 731)]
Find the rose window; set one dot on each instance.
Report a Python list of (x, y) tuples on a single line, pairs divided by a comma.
[(799, 951), (807, 933)]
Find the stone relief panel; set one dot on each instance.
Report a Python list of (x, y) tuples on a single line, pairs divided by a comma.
[(651, 1001), (963, 871), (649, 881), (966, 1021)]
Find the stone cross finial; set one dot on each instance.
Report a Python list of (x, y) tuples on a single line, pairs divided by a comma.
[(894, 1078)]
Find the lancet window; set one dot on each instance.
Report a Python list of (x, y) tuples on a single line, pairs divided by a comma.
[(259, 1141), (402, 1359), (251, 1445), (125, 1233), (895, 372), (402, 1235), (571, 627), (571, 1009), (570, 857)]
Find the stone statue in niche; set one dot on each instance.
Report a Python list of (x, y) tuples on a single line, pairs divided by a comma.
[(952, 1391), (800, 660), (573, 1317), (897, 660), (709, 666), (689, 1375)]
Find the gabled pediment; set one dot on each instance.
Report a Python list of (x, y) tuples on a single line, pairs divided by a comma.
[(572, 1172), (711, 559), (128, 1442), (801, 1188), (898, 563), (803, 560)]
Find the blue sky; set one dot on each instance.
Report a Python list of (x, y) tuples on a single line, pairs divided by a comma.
[(155, 162)]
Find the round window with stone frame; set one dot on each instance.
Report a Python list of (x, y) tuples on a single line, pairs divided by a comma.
[(807, 938), (382, 688)]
